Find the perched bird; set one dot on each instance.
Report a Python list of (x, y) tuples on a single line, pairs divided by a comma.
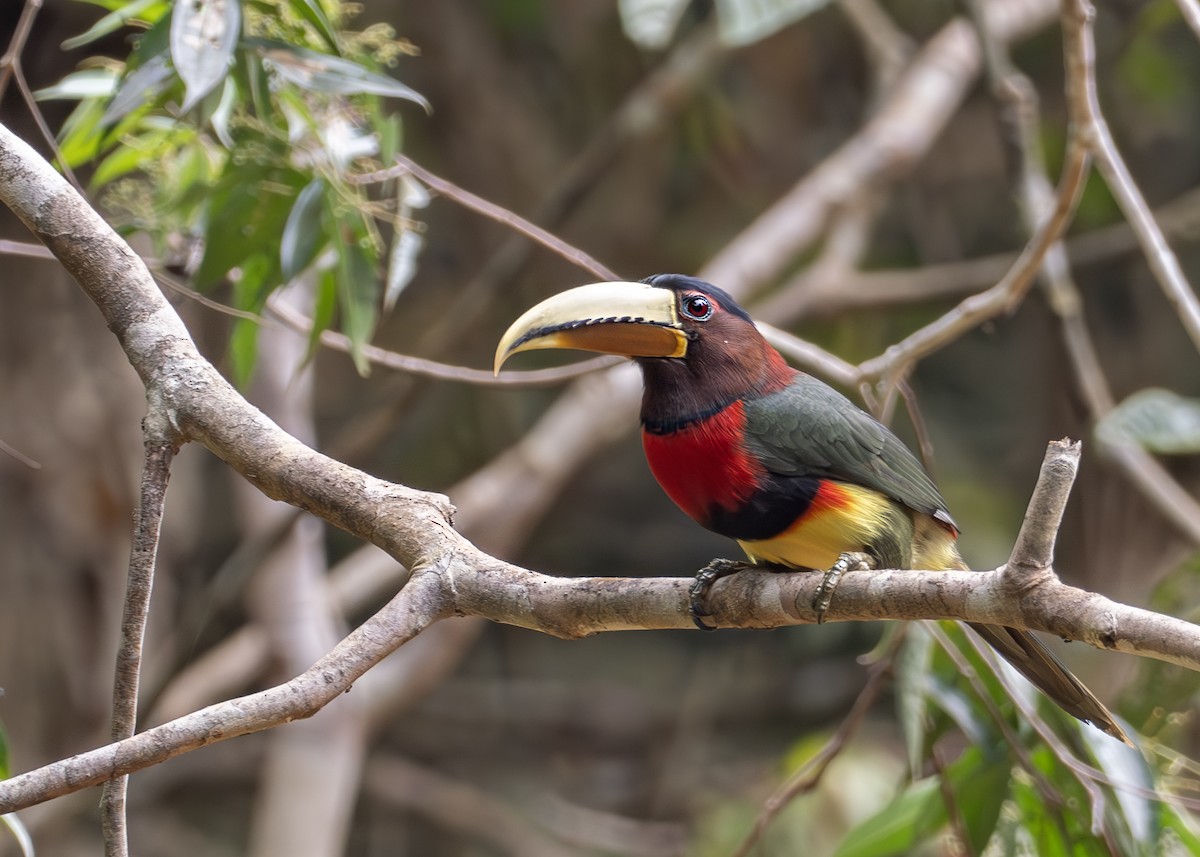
[(758, 451)]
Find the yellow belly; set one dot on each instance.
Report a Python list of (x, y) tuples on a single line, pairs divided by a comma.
[(842, 518)]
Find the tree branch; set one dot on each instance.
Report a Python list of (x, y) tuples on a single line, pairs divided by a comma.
[(161, 444)]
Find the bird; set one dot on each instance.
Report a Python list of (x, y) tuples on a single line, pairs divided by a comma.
[(765, 454)]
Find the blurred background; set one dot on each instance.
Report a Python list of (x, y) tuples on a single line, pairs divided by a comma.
[(653, 150)]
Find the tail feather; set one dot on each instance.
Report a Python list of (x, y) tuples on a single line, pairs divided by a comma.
[(1032, 660), (933, 547)]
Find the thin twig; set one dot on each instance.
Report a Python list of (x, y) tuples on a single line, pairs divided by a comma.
[(1078, 16), (1000, 298), (435, 369), (387, 359), (11, 59), (407, 166), (888, 47), (44, 129), (161, 443), (13, 452)]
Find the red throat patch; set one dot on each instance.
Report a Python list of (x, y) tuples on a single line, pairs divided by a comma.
[(704, 464)]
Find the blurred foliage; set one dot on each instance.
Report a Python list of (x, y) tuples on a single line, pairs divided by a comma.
[(226, 137)]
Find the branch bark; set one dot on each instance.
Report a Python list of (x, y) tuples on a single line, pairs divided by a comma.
[(161, 444)]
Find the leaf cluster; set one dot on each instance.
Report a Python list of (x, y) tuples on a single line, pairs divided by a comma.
[(233, 123)]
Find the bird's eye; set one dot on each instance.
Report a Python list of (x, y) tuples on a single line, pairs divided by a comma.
[(697, 307)]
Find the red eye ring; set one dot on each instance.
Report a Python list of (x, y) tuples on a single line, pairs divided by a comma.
[(696, 307)]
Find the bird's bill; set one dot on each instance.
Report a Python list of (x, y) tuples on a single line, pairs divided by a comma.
[(630, 319)]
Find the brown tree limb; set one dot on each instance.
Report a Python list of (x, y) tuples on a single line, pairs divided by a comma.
[(161, 444)]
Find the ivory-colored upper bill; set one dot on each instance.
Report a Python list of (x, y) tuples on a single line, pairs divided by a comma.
[(630, 319)]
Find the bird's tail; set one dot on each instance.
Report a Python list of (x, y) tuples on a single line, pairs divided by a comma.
[(1020, 648), (1032, 660)]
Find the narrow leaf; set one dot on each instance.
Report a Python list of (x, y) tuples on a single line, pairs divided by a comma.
[(224, 113), (92, 83), (357, 290), (311, 11), (980, 788), (3, 753), (302, 233), (402, 261), (325, 73), (1124, 764), (899, 826), (138, 89), (203, 36), (250, 291), (912, 670), (324, 306), (113, 21)]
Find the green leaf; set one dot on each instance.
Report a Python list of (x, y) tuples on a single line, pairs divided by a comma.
[(250, 291), (311, 11), (390, 133), (980, 787), (325, 73), (138, 89), (1182, 829), (1158, 420), (246, 214), (1137, 816), (125, 159), (224, 112), (357, 289), (912, 669), (4, 773), (203, 36), (81, 135), (898, 827), (154, 42), (302, 237), (324, 305), (110, 5), (150, 10), (91, 83)]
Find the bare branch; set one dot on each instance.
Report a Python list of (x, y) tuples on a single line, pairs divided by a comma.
[(1077, 34), (161, 444), (406, 166), (1034, 548)]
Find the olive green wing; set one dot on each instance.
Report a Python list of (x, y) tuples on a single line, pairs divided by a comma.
[(810, 429)]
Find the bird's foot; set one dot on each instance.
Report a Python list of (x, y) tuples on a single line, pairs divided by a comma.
[(849, 561), (705, 578)]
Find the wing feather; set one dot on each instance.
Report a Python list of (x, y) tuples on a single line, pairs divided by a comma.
[(810, 429)]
